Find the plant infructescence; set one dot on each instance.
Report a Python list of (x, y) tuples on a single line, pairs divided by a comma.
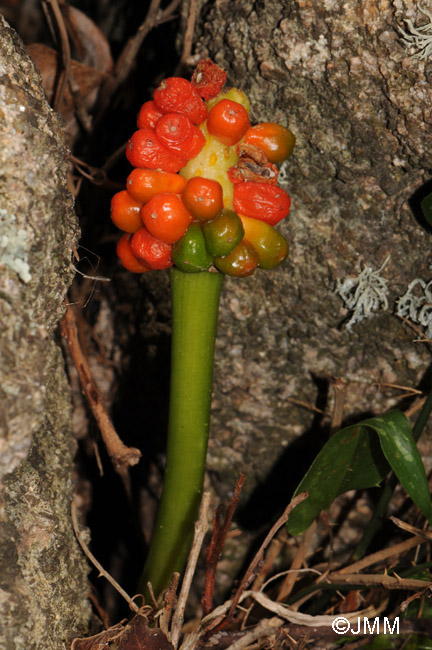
[(202, 200)]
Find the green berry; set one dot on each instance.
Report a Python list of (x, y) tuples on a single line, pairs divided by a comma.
[(240, 263), (223, 233), (189, 254)]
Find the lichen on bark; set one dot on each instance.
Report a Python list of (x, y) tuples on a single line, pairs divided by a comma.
[(43, 587)]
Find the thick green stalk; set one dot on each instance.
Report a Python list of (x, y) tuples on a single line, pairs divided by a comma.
[(195, 305)]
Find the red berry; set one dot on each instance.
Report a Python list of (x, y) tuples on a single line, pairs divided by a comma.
[(208, 78), (153, 252), (145, 150), (177, 95), (127, 258), (148, 116), (262, 201)]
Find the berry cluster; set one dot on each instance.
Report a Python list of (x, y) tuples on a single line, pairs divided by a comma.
[(204, 189)]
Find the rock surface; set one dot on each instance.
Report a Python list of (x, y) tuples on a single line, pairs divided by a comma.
[(43, 574), (344, 80)]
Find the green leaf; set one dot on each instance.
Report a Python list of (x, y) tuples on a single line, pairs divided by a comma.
[(353, 459)]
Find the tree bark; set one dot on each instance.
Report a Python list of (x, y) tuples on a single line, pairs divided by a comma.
[(43, 574), (344, 81)]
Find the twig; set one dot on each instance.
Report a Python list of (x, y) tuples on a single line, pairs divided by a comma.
[(188, 37), (127, 56), (305, 405), (382, 555), (65, 53), (273, 551), (217, 543), (425, 534), (339, 388), (297, 562), (169, 600), (201, 527), (121, 455), (95, 562), (423, 338), (372, 580), (265, 627), (248, 576)]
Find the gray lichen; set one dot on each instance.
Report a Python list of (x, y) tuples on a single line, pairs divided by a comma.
[(416, 304), (13, 246), (419, 37), (365, 294)]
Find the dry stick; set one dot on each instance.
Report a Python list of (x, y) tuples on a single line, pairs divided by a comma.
[(425, 534), (273, 551), (415, 407), (248, 576), (188, 37), (305, 405), (169, 602), (127, 56), (201, 527), (217, 544), (94, 561), (65, 52), (299, 558), (266, 627), (372, 580), (339, 388), (379, 556), (121, 455)]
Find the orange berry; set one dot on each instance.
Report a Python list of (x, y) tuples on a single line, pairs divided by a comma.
[(166, 217), (275, 140), (127, 258), (148, 115), (144, 184), (203, 197), (154, 253), (228, 121), (125, 212)]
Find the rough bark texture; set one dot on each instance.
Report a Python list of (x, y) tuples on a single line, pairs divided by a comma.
[(43, 575), (340, 76)]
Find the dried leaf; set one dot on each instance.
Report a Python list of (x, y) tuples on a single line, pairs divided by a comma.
[(91, 45), (138, 636), (98, 641), (135, 636), (87, 79)]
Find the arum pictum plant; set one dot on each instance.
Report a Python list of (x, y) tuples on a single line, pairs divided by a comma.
[(202, 200)]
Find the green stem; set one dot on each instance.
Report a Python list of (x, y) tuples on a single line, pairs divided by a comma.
[(195, 304)]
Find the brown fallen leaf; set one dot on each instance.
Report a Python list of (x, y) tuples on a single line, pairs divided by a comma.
[(87, 79), (98, 641), (91, 45), (136, 635)]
